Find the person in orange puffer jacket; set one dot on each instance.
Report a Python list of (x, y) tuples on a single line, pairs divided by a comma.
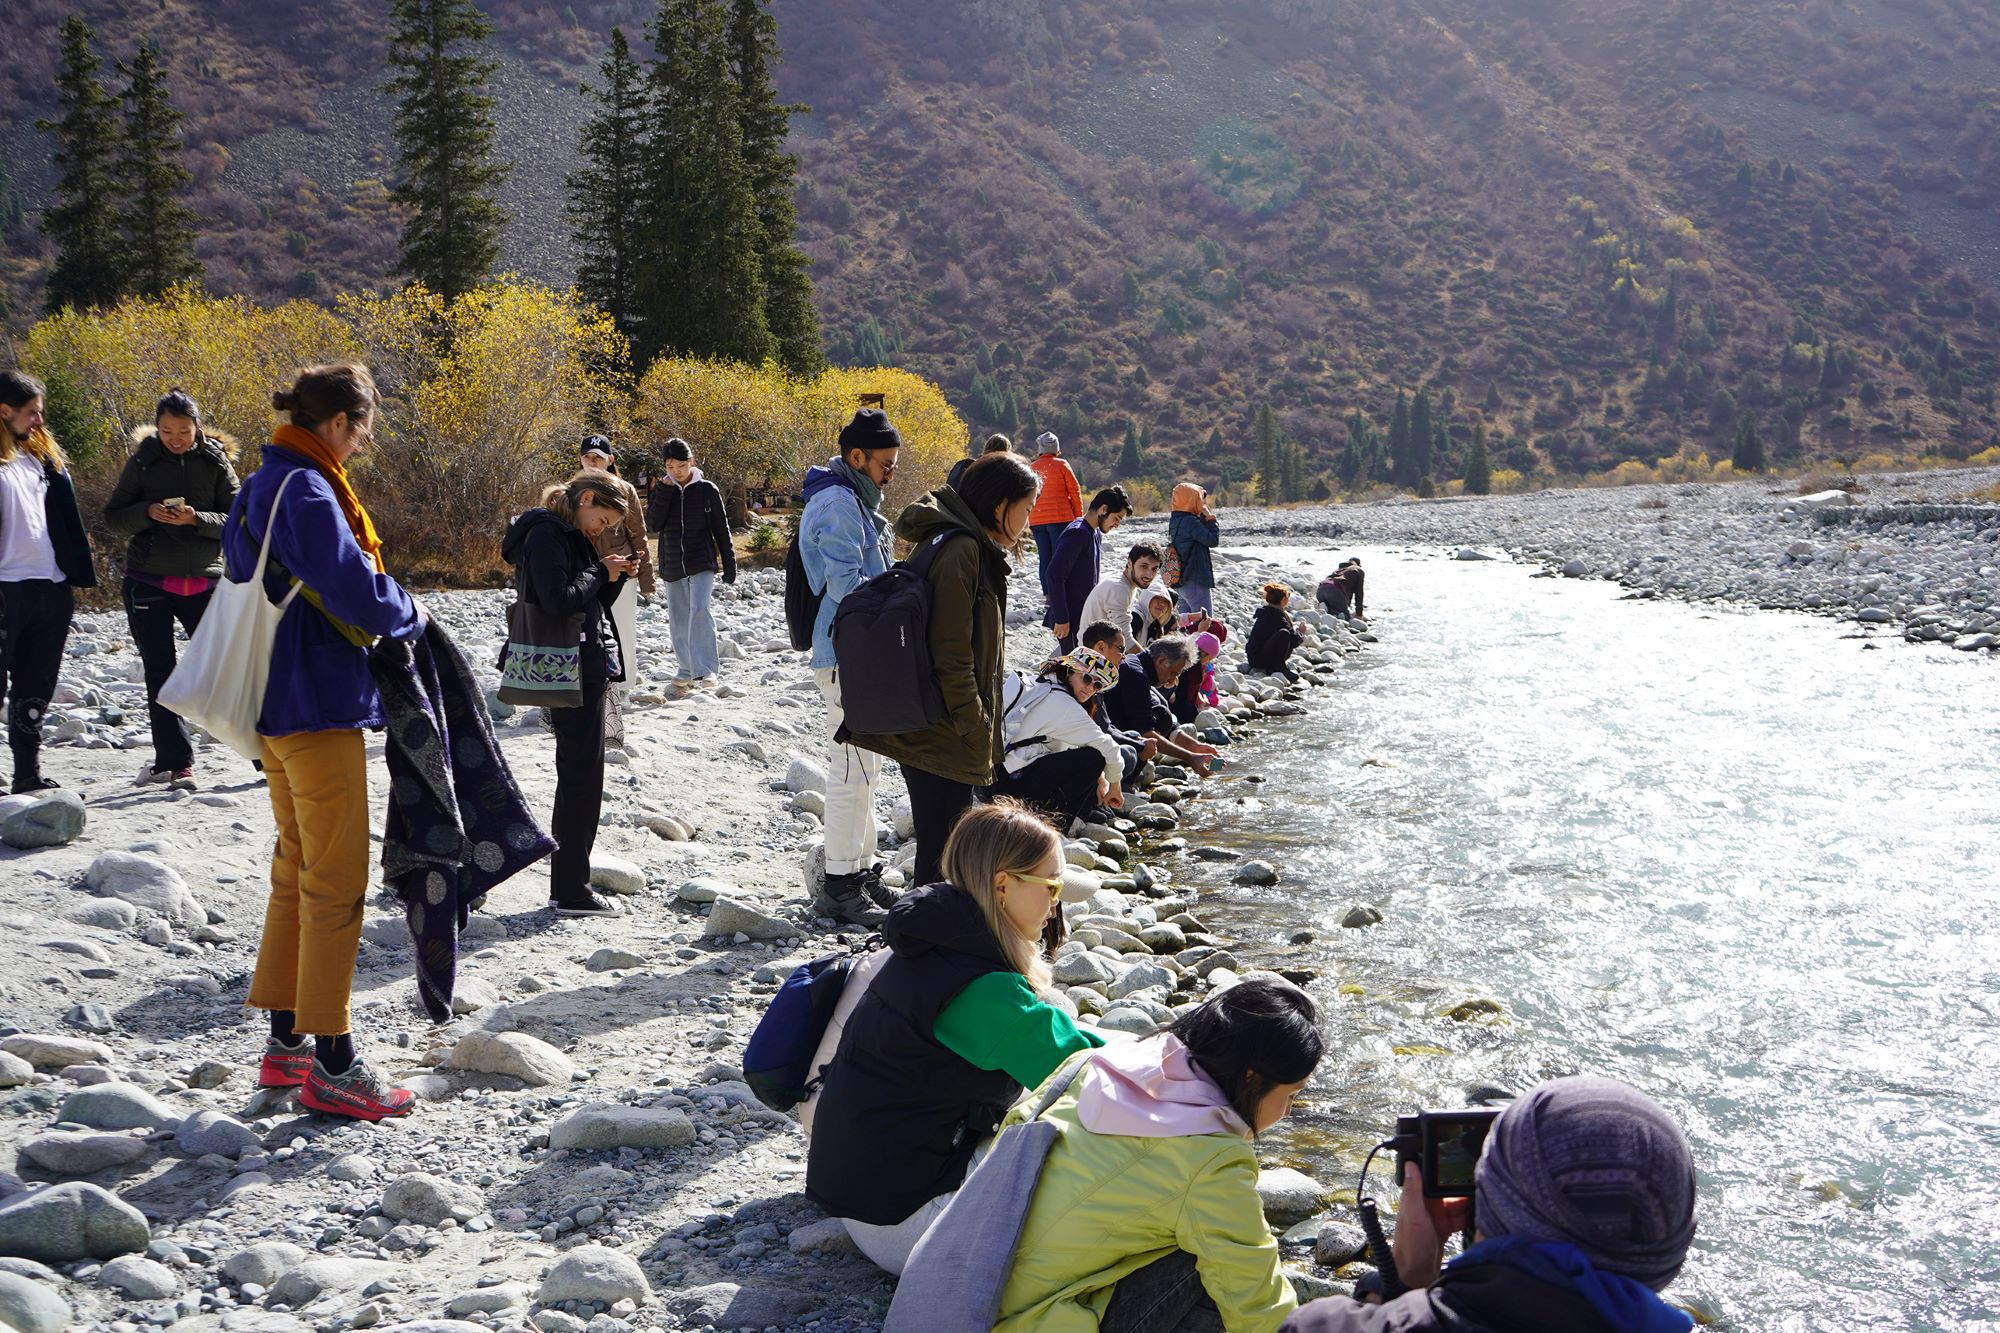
[(1059, 504)]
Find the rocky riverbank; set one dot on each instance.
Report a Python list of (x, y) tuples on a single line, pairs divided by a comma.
[(586, 1156), (1906, 552)]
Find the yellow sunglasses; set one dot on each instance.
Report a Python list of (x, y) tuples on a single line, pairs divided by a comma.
[(1054, 886)]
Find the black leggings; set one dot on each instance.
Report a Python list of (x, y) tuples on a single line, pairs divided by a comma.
[(1063, 785), (152, 614), (579, 783), (34, 626), (935, 806)]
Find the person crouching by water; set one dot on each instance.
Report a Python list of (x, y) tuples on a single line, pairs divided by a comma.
[(1273, 637), (171, 502), (557, 567), (625, 537), (954, 1026), (1585, 1195), (321, 698), (1145, 1216)]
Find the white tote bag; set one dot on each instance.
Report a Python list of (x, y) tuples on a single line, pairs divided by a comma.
[(219, 682)]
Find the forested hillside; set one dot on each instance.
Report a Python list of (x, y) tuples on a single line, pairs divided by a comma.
[(1605, 228)]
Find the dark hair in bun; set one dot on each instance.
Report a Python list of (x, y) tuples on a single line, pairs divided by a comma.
[(323, 392), (176, 402)]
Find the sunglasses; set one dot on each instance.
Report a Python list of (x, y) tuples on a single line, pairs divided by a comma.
[(1054, 886)]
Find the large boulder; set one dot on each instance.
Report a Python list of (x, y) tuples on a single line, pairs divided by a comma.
[(514, 1054), (1289, 1196), (68, 1154), (730, 918), (117, 1106), (614, 874), (307, 1281), (207, 1132), (727, 1305), (145, 882), (30, 1307), (139, 1278), (264, 1263), (52, 820), (602, 1125), (596, 1274), (65, 1223), (48, 1050)]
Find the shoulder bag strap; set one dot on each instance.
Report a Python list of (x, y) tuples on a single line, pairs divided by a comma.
[(264, 552)]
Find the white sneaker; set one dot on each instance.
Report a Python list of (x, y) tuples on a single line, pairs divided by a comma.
[(149, 776)]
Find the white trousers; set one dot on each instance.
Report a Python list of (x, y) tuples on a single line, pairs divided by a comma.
[(850, 792)]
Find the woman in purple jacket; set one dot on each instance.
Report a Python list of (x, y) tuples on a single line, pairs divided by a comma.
[(320, 699)]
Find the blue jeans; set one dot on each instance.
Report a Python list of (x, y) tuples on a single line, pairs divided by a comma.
[(1045, 546), (1166, 1294), (691, 617), (1194, 597)]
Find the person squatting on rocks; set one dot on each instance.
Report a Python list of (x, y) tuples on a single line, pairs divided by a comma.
[(1138, 703), (1273, 636), (1112, 598), (947, 763), (1583, 1211), (843, 541), (321, 698), (687, 513), (995, 444), (1059, 505), (953, 1027), (1153, 617), (626, 537), (1145, 1216), (1108, 638), (1197, 689), (1192, 533), (1058, 760), (170, 502), (557, 569), (1073, 563), (44, 558), (1357, 582), (1341, 590)]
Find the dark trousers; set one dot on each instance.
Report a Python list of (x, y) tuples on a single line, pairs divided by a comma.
[(1062, 785), (1166, 1296), (935, 805), (579, 782), (34, 626), (152, 614), (1045, 546)]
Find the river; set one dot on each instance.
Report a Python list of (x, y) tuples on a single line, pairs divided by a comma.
[(1739, 859)]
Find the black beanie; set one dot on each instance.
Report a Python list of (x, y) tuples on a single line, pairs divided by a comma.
[(870, 429)]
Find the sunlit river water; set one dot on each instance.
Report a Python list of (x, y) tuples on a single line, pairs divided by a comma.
[(1735, 858)]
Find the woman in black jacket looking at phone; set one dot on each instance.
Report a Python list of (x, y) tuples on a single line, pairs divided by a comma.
[(557, 568)]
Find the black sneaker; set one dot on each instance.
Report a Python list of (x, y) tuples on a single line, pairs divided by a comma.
[(584, 903), (33, 782), (877, 892), (845, 897)]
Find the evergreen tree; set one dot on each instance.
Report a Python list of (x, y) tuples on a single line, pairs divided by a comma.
[(1829, 368), (1402, 464), (1478, 470), (788, 306), (444, 141), (1292, 472), (1131, 459), (1492, 395), (159, 228), (83, 222), (605, 192), (701, 284), (1421, 438), (1360, 454), (1267, 453), (1749, 454)]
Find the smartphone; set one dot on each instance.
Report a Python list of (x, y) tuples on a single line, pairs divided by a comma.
[(174, 503), (1445, 1145)]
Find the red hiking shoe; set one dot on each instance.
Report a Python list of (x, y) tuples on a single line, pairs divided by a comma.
[(359, 1094), (285, 1066)]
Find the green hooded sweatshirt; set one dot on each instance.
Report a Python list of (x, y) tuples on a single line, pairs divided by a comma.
[(967, 639)]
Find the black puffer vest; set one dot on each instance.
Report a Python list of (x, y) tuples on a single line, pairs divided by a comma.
[(899, 1114)]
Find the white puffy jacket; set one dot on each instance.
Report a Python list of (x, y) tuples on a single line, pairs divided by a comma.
[(1041, 718)]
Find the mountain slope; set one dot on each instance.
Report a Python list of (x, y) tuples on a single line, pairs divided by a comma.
[(1609, 225)]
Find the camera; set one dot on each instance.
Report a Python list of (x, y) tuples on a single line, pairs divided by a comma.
[(1445, 1146)]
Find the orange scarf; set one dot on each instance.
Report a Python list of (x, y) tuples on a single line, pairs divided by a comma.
[(313, 449)]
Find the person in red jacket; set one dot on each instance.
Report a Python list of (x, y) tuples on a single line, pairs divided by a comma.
[(1059, 504)]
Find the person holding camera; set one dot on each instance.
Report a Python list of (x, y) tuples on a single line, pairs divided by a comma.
[(170, 502), (1583, 1209)]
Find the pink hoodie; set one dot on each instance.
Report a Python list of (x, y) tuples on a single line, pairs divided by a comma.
[(1151, 1089)]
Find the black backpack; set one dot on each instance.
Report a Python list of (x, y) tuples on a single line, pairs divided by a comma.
[(882, 647), (801, 602)]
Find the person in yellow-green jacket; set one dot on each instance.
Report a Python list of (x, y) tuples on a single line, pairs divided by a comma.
[(1145, 1216)]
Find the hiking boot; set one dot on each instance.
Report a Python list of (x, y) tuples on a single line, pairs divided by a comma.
[(845, 898), (358, 1094), (148, 775), (181, 779), (876, 891), (285, 1066), (586, 902), (28, 784)]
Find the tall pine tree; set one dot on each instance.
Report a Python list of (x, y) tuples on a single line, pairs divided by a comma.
[(159, 228), (788, 305), (444, 140), (1478, 469), (1268, 460), (1402, 462), (1292, 472), (1749, 453), (605, 192), (83, 223), (1132, 458), (701, 286), (1421, 438)]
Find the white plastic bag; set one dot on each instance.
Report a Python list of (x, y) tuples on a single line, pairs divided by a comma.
[(219, 682)]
